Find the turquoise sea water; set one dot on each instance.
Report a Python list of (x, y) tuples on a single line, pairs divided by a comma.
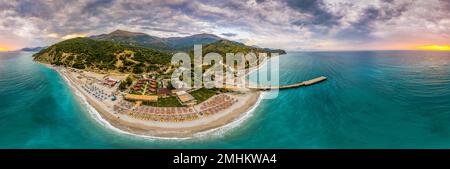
[(388, 99)]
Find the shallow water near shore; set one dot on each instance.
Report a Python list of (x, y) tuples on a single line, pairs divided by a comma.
[(385, 99)]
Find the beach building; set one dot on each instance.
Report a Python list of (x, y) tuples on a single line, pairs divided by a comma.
[(110, 82), (186, 99), (137, 89), (134, 97), (163, 92)]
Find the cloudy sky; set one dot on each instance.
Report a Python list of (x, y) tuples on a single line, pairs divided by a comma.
[(286, 24)]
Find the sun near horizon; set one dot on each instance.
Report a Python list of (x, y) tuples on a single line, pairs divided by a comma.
[(434, 47), (4, 49)]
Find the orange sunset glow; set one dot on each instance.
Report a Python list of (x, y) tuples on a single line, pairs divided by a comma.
[(2, 49), (434, 47)]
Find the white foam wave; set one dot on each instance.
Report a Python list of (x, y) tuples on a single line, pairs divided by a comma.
[(222, 130), (212, 133), (98, 118)]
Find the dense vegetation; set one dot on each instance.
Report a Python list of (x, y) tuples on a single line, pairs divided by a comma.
[(187, 43), (82, 53), (172, 44), (137, 53), (225, 46), (125, 84), (134, 39)]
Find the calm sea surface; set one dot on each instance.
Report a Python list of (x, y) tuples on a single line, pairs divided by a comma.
[(387, 99)]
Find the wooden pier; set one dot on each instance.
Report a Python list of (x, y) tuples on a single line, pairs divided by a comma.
[(296, 85)]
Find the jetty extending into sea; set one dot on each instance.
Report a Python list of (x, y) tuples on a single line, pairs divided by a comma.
[(296, 85)]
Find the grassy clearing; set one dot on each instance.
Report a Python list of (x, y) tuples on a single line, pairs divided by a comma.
[(203, 94), (165, 102)]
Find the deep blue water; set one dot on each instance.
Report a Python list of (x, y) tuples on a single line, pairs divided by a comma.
[(388, 99)]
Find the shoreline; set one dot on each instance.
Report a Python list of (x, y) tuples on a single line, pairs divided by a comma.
[(200, 127)]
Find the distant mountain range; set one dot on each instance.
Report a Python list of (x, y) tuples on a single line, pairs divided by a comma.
[(134, 52), (148, 41), (32, 49)]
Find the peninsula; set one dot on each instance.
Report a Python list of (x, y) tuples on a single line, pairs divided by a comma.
[(125, 76)]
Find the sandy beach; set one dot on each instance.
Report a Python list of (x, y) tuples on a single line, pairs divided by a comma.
[(185, 129)]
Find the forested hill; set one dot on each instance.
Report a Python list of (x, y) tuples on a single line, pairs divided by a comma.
[(226, 46), (131, 52), (172, 44), (86, 53)]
